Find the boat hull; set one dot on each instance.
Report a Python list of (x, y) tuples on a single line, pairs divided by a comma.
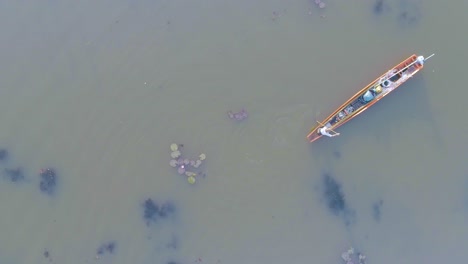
[(356, 104)]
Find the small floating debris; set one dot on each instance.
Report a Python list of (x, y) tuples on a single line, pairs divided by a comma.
[(320, 4), (352, 257), (239, 116), (48, 181)]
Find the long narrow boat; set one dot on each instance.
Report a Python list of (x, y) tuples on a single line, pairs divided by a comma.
[(368, 96)]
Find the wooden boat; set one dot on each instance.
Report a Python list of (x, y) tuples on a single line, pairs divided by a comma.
[(368, 96)]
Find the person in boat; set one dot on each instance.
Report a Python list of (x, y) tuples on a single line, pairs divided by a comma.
[(371, 93), (324, 131)]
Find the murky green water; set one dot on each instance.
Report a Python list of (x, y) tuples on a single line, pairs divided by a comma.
[(99, 90)]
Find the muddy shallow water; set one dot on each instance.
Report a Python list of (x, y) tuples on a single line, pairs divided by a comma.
[(97, 92)]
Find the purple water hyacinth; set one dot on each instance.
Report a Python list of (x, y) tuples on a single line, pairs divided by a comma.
[(181, 170), (186, 161), (180, 161), (192, 163), (239, 116)]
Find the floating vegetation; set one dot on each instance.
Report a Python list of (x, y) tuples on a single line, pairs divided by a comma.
[(108, 247), (173, 163), (153, 211), (14, 175), (48, 181), (190, 174), (174, 147), (3, 154), (191, 180), (320, 4), (186, 166), (238, 116), (352, 257), (175, 154), (181, 169), (333, 195)]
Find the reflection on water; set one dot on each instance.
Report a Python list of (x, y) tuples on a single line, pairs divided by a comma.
[(93, 95)]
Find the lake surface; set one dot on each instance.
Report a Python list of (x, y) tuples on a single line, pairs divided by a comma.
[(97, 91)]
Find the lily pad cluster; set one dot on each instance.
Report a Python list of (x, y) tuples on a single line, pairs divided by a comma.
[(185, 166), (352, 257)]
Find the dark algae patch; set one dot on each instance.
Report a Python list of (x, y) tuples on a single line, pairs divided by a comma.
[(3, 154), (409, 12), (376, 210), (47, 255), (154, 211), (48, 181), (14, 175), (406, 12), (333, 195), (379, 7), (108, 247), (335, 199)]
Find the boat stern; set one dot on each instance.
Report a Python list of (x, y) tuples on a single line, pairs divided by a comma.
[(313, 134)]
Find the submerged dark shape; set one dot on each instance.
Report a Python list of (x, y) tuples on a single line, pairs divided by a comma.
[(337, 154), (108, 247), (239, 116), (378, 7), (173, 243), (153, 211), (166, 209), (48, 181), (14, 175), (3, 154), (409, 12), (376, 210), (406, 18), (333, 195)]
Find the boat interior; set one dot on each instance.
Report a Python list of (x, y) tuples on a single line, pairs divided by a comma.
[(385, 84)]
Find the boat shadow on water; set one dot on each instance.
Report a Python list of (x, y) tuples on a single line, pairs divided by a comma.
[(407, 105)]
